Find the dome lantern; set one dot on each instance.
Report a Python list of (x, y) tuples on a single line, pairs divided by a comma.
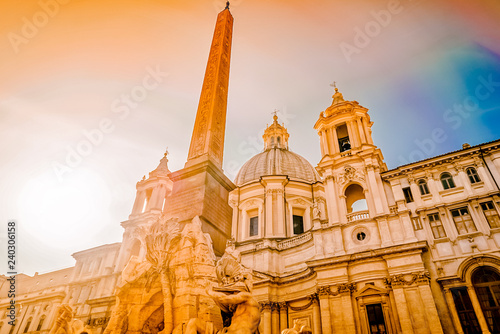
[(276, 135)]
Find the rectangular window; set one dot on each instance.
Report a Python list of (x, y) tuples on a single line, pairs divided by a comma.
[(436, 226), (254, 226), (408, 195), (463, 221), (298, 224), (376, 319), (417, 224), (424, 189), (491, 214)]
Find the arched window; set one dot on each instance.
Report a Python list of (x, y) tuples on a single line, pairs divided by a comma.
[(40, 323), (447, 181), (422, 186), (343, 138), (27, 325), (472, 174), (487, 285), (355, 198)]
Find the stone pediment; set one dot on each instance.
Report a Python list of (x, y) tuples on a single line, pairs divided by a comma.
[(370, 290)]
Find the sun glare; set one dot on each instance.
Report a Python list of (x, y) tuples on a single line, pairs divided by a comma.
[(64, 214)]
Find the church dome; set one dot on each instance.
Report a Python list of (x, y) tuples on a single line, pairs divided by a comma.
[(277, 161)]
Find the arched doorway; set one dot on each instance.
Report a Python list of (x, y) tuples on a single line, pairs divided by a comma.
[(486, 282), (355, 198)]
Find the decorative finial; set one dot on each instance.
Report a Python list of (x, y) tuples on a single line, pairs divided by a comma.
[(275, 115), (227, 5), (337, 97), (334, 85), (166, 153)]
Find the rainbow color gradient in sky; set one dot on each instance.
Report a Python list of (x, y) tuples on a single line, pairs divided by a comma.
[(426, 68)]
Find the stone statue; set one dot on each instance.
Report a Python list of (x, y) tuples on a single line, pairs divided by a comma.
[(240, 311), (64, 323), (298, 328), (316, 210), (155, 295)]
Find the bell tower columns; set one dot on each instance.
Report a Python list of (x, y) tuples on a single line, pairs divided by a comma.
[(350, 159)]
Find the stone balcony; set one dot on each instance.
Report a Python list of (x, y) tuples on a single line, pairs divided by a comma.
[(358, 215)]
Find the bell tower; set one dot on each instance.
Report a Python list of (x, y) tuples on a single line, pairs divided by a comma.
[(351, 164)]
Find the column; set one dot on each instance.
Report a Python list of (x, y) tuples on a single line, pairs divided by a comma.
[(430, 309), (415, 191), (283, 316), (404, 314), (331, 203), (234, 225), (385, 233), (139, 202), (369, 203), (266, 317), (268, 224), (366, 126), (335, 140), (453, 311), (324, 304), (408, 227), (275, 318), (477, 309), (464, 179), (52, 316), (389, 321), (280, 228), (433, 188), (338, 240), (316, 325), (152, 204), (36, 317), (363, 317), (372, 184), (353, 138), (323, 146), (360, 129), (343, 209), (331, 143), (347, 312)]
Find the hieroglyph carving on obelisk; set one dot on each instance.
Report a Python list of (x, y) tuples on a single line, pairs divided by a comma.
[(209, 128)]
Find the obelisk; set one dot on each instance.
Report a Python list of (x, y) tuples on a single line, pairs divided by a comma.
[(207, 141), (201, 188)]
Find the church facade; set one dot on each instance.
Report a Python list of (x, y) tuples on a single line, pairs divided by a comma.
[(348, 246)]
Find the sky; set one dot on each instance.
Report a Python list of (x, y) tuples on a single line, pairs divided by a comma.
[(94, 91)]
